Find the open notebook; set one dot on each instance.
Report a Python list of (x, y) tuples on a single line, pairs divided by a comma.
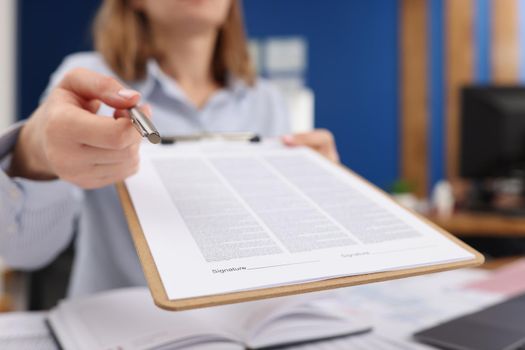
[(127, 319), (221, 222)]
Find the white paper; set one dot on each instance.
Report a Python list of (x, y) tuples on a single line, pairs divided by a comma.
[(222, 217)]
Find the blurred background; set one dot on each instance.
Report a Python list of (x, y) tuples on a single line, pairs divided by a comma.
[(350, 54), (424, 97)]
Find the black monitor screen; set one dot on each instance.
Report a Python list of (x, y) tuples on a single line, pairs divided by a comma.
[(492, 132)]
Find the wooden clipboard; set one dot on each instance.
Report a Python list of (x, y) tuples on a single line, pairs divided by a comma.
[(161, 299)]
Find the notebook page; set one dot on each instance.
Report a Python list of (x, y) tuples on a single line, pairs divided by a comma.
[(128, 319), (221, 217)]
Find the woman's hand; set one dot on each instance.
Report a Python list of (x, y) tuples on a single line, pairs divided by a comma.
[(64, 138), (320, 140)]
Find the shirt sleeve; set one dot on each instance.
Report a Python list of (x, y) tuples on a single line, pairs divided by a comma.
[(37, 218)]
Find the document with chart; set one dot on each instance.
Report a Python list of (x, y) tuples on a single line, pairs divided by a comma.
[(233, 217)]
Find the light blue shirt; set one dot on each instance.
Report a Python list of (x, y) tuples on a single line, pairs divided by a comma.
[(38, 218)]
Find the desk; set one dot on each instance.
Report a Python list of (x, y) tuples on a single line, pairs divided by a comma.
[(481, 224), (417, 303)]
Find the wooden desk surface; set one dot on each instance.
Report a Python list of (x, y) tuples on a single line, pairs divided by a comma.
[(469, 224)]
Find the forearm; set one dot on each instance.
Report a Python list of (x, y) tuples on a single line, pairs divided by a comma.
[(36, 217), (26, 164), (36, 220)]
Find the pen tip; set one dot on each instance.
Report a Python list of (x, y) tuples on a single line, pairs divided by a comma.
[(154, 138)]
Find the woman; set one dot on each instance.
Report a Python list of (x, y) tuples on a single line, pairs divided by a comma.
[(188, 60)]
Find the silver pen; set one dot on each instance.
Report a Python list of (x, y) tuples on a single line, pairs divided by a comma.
[(144, 125)]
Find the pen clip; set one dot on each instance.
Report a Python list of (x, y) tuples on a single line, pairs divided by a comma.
[(138, 126)]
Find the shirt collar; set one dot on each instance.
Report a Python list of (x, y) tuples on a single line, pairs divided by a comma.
[(155, 77)]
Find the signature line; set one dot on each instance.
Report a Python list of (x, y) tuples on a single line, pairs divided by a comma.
[(280, 265)]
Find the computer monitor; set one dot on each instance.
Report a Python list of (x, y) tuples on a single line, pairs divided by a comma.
[(492, 141)]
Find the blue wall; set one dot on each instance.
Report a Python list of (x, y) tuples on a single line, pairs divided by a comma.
[(47, 31), (353, 63)]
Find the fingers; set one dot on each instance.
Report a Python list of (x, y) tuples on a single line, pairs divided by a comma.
[(89, 89), (105, 174), (65, 138), (111, 173), (89, 167), (316, 138), (89, 85), (320, 140), (94, 130), (98, 156), (93, 106)]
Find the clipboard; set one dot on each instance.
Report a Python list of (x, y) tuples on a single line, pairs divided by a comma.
[(161, 299)]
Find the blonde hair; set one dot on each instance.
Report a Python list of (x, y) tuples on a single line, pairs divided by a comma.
[(121, 35)]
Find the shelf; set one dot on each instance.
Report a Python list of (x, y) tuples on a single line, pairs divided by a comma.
[(477, 224)]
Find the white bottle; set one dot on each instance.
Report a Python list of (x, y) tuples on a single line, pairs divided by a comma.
[(443, 198)]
